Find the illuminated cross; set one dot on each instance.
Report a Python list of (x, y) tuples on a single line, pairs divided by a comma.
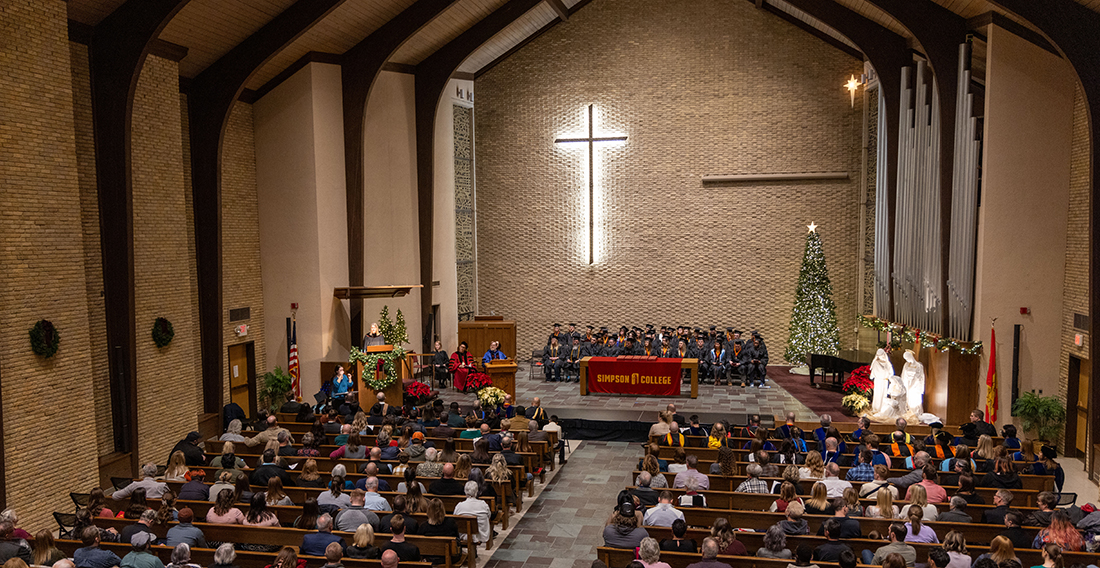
[(591, 141)]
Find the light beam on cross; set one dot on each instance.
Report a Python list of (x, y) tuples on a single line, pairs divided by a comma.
[(591, 140)]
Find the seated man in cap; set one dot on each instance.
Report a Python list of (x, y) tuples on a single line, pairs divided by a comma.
[(699, 351), (755, 360), (573, 356), (557, 334)]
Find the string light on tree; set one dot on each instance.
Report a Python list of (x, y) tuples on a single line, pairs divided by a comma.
[(813, 326)]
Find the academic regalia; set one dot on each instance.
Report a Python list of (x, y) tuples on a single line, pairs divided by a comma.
[(673, 439), (716, 360), (439, 362), (665, 352), (573, 359), (700, 353), (755, 371), (561, 338), (460, 366), (553, 361), (734, 350)]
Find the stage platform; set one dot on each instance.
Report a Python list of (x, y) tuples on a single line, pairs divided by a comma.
[(627, 418)]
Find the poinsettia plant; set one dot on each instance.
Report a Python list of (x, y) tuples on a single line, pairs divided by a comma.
[(478, 381), (417, 389), (857, 391)]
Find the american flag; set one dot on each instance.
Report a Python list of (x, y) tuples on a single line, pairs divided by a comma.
[(292, 363)]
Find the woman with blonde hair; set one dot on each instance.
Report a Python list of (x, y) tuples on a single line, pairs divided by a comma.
[(463, 466), (177, 467), (722, 532), (233, 432), (661, 428), (955, 545), (884, 506), (362, 545), (359, 423), (814, 468), (45, 553), (918, 496), (818, 503), (649, 552), (520, 443), (657, 479), (498, 473), (438, 523), (851, 496), (310, 476)]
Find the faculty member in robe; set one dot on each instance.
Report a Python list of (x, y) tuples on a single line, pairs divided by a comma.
[(461, 364), (494, 352)]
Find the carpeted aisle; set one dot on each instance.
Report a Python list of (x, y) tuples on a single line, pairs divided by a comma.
[(821, 401)]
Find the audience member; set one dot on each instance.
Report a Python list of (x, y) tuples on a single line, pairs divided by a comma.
[(314, 544), (185, 532), (139, 555)]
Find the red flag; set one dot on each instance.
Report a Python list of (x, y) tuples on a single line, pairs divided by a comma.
[(292, 363), (991, 380)]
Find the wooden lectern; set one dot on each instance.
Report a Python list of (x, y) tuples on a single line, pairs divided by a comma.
[(395, 393), (503, 374)]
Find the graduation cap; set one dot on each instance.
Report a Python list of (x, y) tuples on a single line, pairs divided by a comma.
[(969, 428), (936, 425), (713, 327), (1049, 452), (557, 325), (587, 326), (575, 325), (729, 329), (737, 332)]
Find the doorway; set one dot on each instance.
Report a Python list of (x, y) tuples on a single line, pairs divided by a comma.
[(242, 376), (1077, 406)]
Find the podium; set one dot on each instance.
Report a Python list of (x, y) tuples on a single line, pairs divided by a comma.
[(503, 374), (395, 393)]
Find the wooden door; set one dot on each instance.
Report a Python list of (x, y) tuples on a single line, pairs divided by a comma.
[(242, 377), (1082, 407)]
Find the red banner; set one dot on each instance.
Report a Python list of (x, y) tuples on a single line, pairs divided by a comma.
[(643, 376)]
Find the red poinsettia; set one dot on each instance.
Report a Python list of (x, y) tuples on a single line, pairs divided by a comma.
[(417, 389), (859, 381), (478, 381)]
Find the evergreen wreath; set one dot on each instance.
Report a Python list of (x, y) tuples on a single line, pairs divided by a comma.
[(394, 334), (44, 338), (163, 332)]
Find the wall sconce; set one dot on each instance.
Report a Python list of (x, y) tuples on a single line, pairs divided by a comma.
[(854, 84)]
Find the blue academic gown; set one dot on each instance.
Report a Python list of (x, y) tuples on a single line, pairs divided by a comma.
[(490, 355)]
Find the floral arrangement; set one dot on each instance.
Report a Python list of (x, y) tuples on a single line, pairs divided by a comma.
[(162, 332), (478, 381), (858, 390), (490, 396), (44, 339)]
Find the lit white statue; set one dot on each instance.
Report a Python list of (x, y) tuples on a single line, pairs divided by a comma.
[(912, 376), (881, 371), (895, 403)]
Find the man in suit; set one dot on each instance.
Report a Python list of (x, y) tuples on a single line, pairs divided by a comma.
[(315, 543), (1002, 500)]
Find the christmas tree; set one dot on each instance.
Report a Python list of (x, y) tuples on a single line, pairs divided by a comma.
[(813, 318)]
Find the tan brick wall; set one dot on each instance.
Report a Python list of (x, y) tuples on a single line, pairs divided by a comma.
[(169, 389), (242, 285), (43, 262), (700, 88), (1075, 293), (93, 260)]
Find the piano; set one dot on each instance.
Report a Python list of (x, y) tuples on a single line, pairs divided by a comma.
[(836, 366)]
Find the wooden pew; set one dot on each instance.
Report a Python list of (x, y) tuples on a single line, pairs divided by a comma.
[(1021, 497), (763, 501), (245, 559), (754, 540), (282, 536), (298, 428), (300, 494), (708, 456), (620, 557), (325, 465)]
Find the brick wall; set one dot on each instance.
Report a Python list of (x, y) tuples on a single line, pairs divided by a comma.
[(242, 285), (93, 260), (1075, 294), (43, 256), (169, 382), (700, 88)]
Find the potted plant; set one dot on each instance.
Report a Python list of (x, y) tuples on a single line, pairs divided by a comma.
[(858, 390), (273, 393), (1045, 416)]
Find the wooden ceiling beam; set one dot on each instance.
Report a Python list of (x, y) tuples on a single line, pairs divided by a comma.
[(360, 66), (117, 51), (559, 7), (888, 53), (940, 32), (1071, 28), (432, 75), (209, 100)]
